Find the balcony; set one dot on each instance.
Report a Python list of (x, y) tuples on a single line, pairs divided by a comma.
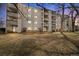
[(13, 15), (45, 10), (45, 16), (45, 21), (46, 27), (53, 12), (12, 10), (11, 6), (14, 20), (12, 23), (45, 24)]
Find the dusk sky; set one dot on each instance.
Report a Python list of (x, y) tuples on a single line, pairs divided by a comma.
[(3, 8), (48, 6), (3, 11)]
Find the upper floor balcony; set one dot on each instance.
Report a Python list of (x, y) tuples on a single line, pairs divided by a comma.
[(12, 23), (45, 16), (12, 15), (11, 6), (46, 12)]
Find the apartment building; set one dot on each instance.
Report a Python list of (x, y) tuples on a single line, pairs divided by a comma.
[(22, 18), (34, 19), (49, 20), (67, 23), (77, 24), (12, 18), (58, 22)]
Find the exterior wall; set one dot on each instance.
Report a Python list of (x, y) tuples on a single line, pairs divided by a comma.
[(53, 22), (22, 17), (25, 18), (58, 22), (66, 23), (12, 18), (34, 19), (49, 21), (77, 24)]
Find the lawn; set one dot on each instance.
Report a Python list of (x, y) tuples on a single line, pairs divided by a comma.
[(14, 44)]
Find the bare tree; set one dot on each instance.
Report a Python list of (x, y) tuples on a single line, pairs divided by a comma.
[(74, 13), (73, 17), (62, 7)]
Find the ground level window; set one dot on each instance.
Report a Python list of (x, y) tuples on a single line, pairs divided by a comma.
[(14, 29)]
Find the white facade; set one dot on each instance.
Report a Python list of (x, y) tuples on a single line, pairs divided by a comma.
[(58, 22), (35, 19)]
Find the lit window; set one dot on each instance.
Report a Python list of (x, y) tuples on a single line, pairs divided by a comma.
[(35, 28), (14, 29), (35, 22), (29, 28), (35, 16), (29, 15), (29, 22), (35, 11), (29, 10)]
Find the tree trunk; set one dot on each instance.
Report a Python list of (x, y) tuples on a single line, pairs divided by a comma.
[(62, 17), (73, 26), (73, 22)]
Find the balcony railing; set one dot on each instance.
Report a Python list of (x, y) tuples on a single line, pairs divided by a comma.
[(45, 16), (13, 15), (11, 6), (12, 10), (45, 10), (45, 20), (11, 23)]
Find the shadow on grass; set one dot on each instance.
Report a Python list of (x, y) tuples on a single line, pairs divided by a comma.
[(25, 48), (77, 32), (71, 41)]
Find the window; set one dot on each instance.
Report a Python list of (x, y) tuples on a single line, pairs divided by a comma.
[(29, 15), (29, 28), (29, 22), (35, 16), (35, 11), (35, 22), (29, 9), (14, 29), (35, 28)]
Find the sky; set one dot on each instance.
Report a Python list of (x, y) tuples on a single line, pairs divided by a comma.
[(3, 8), (2, 11), (48, 6)]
